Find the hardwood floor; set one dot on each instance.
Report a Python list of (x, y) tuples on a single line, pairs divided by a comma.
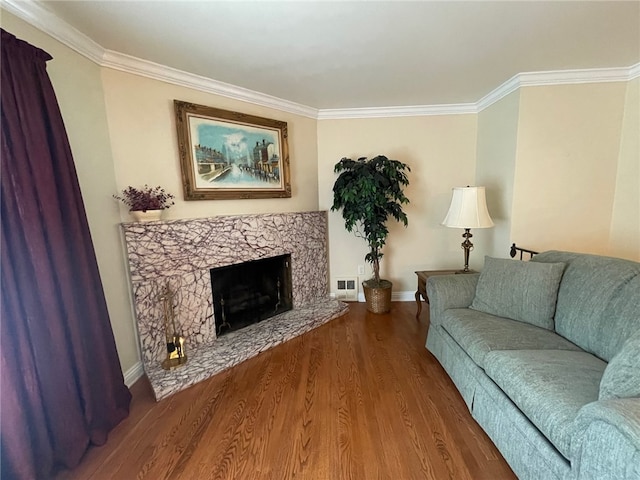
[(357, 398)]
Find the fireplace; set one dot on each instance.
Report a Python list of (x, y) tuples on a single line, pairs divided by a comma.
[(180, 255), (250, 292)]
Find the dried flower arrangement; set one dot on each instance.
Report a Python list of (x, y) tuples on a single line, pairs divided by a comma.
[(145, 198)]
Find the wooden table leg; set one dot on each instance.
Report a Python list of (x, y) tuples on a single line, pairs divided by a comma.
[(419, 302)]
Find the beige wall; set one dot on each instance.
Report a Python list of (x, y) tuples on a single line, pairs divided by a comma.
[(625, 220), (567, 157), (144, 144), (78, 88), (495, 169), (441, 153), (562, 168)]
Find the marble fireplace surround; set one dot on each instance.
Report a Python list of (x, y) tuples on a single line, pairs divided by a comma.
[(181, 253)]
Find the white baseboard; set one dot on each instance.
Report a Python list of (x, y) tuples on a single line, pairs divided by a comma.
[(133, 374), (406, 296)]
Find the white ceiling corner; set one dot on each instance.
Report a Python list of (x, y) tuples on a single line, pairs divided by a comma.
[(35, 14)]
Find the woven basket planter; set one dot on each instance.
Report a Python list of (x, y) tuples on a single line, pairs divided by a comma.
[(378, 298)]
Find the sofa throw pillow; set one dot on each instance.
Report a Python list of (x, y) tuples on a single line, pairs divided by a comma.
[(523, 291), (621, 378)]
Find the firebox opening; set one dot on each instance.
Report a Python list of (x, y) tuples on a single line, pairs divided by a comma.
[(249, 292)]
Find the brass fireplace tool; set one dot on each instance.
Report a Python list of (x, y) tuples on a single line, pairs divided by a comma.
[(176, 355)]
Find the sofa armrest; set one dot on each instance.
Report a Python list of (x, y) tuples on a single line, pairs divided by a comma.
[(450, 291), (607, 440)]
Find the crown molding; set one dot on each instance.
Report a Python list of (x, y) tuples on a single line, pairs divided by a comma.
[(40, 17), (387, 112), (156, 71), (525, 79), (36, 14), (558, 77), (561, 77), (499, 93)]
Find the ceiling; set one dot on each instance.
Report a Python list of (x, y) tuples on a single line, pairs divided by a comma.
[(364, 53)]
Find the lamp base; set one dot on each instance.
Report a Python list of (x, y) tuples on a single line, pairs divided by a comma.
[(467, 246)]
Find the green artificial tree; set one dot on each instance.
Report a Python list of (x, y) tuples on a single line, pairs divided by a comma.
[(369, 192)]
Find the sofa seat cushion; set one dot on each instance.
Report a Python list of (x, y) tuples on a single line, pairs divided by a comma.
[(480, 333), (549, 387)]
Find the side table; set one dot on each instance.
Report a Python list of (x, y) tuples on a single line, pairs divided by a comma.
[(423, 276)]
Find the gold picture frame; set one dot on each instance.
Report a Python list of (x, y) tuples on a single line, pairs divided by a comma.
[(231, 155)]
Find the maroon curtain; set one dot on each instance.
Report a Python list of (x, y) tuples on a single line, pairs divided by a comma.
[(62, 386)]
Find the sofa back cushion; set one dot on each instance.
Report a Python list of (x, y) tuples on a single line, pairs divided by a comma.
[(522, 291), (598, 301), (621, 378)]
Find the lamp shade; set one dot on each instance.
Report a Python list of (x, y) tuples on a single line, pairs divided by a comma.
[(468, 209)]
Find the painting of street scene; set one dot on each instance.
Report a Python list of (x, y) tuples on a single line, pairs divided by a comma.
[(231, 155), (235, 156)]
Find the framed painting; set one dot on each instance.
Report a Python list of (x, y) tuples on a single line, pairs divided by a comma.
[(231, 155)]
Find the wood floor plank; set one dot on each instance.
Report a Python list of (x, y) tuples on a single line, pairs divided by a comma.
[(357, 398)]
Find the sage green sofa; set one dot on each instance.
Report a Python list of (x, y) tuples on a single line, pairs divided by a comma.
[(546, 355)]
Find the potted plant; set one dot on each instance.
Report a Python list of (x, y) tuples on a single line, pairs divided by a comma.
[(146, 203), (369, 191)]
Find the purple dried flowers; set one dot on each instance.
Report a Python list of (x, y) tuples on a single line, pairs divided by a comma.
[(146, 198)]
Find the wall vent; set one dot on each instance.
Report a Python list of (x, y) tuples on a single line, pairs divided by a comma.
[(347, 289)]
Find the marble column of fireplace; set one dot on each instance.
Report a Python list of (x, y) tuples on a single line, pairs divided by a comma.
[(180, 253)]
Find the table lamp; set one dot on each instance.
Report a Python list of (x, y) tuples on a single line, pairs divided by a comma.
[(468, 210)]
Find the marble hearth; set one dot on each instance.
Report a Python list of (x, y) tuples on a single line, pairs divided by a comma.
[(181, 253)]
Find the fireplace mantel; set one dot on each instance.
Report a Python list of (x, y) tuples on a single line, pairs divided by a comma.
[(180, 253)]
